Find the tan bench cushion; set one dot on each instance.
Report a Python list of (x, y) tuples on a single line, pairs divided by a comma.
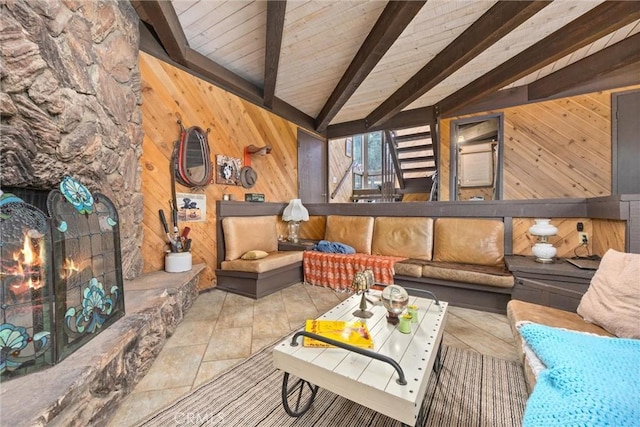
[(403, 236), (409, 267), (520, 311), (469, 241), (244, 234), (498, 277), (273, 261), (355, 231)]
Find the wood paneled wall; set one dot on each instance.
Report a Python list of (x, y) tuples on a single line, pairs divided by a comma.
[(603, 234), (552, 149), (170, 94)]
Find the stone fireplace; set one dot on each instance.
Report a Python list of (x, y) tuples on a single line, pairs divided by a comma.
[(70, 104), (60, 276)]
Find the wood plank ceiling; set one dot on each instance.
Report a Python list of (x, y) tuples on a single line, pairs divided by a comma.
[(345, 67)]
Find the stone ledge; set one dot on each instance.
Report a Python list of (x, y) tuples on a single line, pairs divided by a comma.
[(86, 387)]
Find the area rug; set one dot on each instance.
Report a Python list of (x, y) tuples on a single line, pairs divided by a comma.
[(471, 390)]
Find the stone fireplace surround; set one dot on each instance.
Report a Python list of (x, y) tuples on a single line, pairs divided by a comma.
[(86, 387), (70, 104)]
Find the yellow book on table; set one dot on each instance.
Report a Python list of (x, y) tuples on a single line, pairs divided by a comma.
[(354, 333)]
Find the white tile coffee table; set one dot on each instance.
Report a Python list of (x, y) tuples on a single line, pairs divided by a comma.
[(359, 377)]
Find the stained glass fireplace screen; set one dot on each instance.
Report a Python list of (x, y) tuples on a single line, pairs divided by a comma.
[(87, 264), (26, 292), (61, 276)]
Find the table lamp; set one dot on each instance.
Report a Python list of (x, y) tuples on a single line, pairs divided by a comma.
[(294, 213), (543, 250)]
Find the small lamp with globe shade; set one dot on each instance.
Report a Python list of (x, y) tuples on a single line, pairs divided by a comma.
[(294, 213), (543, 250)]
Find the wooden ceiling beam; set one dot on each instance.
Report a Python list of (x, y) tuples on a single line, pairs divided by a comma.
[(497, 22), (212, 72), (275, 27), (391, 23), (162, 17), (614, 57), (518, 96), (589, 27)]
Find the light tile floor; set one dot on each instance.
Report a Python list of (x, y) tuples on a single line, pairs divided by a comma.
[(221, 329)]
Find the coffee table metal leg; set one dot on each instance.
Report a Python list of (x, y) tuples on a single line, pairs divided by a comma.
[(438, 361), (297, 395)]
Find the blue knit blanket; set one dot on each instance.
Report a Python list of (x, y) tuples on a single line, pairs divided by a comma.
[(333, 247), (588, 380)]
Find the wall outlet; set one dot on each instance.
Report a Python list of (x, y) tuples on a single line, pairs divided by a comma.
[(583, 238), (335, 179)]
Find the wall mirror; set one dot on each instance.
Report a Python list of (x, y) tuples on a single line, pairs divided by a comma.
[(192, 158), (476, 158)]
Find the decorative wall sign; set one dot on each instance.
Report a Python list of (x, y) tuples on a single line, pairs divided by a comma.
[(228, 170), (192, 207)]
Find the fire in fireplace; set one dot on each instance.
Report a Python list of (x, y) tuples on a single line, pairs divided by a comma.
[(61, 275)]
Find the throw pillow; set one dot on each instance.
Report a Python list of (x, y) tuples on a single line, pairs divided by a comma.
[(612, 298), (254, 255)]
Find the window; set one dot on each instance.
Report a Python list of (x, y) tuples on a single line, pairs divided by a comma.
[(367, 151)]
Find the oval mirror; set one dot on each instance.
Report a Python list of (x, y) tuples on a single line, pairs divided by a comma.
[(193, 158)]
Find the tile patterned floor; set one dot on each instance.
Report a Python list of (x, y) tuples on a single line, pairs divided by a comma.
[(222, 329)]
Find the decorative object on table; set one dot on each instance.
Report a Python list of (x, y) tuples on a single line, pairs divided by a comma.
[(543, 250), (253, 197), (228, 170), (405, 323), (178, 242), (362, 282), (191, 158), (294, 213), (248, 176), (395, 299), (177, 262), (413, 311), (192, 207), (355, 333)]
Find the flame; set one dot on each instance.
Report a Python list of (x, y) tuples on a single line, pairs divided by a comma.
[(27, 251), (68, 268), (27, 264), (27, 255)]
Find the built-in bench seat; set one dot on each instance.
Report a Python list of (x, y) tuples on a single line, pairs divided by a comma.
[(459, 259), (403, 229), (255, 278), (272, 261)]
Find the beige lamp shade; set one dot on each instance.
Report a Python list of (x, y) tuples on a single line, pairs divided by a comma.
[(295, 211)]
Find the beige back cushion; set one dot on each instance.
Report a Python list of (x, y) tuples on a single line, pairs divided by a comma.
[(469, 241), (612, 298), (406, 237), (243, 234), (355, 231)]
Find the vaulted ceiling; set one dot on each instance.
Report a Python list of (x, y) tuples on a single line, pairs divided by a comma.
[(344, 67)]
